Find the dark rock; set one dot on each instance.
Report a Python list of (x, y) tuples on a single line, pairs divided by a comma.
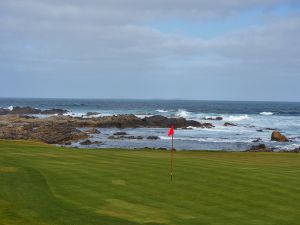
[(206, 125), (125, 137), (215, 118), (24, 110), (88, 142), (277, 136), (153, 138), (164, 122), (120, 133), (54, 111), (296, 150), (257, 140), (229, 124), (271, 128), (92, 113), (259, 130), (259, 148)]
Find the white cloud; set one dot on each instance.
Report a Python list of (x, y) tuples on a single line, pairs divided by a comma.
[(111, 38)]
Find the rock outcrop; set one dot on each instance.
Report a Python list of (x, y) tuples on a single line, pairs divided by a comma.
[(277, 136), (48, 133)]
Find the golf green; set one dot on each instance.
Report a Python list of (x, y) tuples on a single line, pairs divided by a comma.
[(43, 184)]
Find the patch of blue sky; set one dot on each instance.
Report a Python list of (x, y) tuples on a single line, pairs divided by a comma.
[(207, 29)]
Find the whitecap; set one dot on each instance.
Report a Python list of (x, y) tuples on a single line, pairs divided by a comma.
[(10, 108), (237, 118), (161, 111), (266, 113), (183, 113)]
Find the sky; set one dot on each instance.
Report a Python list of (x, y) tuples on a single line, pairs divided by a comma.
[(158, 49)]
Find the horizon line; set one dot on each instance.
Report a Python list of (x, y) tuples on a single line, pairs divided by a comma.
[(146, 99)]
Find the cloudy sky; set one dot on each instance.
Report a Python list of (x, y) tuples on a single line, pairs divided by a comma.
[(187, 49)]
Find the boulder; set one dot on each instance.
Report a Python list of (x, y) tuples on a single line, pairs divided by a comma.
[(277, 136), (260, 130)]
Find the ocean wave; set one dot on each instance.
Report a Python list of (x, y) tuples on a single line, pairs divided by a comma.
[(10, 108), (161, 111), (266, 113), (183, 113), (237, 118)]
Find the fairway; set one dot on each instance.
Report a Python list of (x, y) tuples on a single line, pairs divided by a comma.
[(45, 185)]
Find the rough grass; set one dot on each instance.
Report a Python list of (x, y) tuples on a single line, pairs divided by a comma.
[(42, 184)]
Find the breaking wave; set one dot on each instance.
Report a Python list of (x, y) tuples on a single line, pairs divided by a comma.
[(161, 111), (183, 113), (266, 113), (237, 118)]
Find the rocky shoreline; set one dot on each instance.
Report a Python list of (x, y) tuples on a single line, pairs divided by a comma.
[(59, 128)]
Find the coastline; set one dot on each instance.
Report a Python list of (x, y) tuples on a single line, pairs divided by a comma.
[(57, 126)]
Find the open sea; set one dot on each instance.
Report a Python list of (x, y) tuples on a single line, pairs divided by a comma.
[(249, 116)]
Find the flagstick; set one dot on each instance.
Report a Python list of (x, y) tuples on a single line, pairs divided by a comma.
[(171, 172)]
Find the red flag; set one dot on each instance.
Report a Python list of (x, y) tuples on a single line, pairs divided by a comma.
[(171, 131)]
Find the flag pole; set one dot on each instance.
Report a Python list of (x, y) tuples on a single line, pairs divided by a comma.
[(172, 149)]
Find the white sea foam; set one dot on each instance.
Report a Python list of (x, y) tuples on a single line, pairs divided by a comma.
[(266, 113), (183, 113), (237, 118), (161, 111), (10, 108), (73, 114)]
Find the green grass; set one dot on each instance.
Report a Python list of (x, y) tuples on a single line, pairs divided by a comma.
[(42, 184)]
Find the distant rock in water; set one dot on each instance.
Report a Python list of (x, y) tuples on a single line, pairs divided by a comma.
[(257, 140), (92, 113), (214, 118), (54, 111), (153, 138), (227, 124), (277, 136), (120, 133), (29, 111)]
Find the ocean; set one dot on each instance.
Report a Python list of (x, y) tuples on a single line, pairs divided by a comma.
[(254, 119)]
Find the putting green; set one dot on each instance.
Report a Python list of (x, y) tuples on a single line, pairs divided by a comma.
[(42, 184)]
